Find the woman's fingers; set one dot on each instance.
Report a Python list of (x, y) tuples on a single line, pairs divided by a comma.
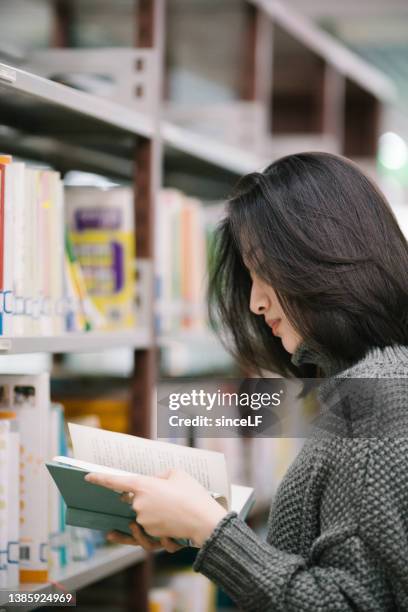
[(116, 483), (170, 545), (164, 474), (127, 498), (121, 538), (143, 539)]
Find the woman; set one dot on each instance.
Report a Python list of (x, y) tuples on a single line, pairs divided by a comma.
[(312, 247)]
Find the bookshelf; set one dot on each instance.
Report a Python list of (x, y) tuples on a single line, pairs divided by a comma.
[(82, 573), (50, 122), (299, 89), (72, 129), (51, 104)]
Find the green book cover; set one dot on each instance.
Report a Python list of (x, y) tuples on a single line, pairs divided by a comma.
[(90, 505)]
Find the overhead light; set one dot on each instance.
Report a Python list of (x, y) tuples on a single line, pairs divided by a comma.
[(393, 151)]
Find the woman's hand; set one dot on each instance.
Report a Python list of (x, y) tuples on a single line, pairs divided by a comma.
[(172, 505), (138, 538)]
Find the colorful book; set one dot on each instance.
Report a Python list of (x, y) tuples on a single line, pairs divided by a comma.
[(83, 315), (102, 230)]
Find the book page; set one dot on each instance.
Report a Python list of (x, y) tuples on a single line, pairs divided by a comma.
[(89, 467), (242, 499), (149, 457)]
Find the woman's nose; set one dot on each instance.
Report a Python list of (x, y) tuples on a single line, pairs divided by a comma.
[(258, 303)]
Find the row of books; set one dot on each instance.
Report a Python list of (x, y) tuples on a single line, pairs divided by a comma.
[(34, 541), (185, 234), (25, 408), (66, 254)]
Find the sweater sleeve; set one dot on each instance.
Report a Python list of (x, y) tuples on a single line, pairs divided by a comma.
[(356, 563), (342, 576)]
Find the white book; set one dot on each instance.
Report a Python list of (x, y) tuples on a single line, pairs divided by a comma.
[(44, 250), (35, 248), (18, 248), (57, 264), (8, 254), (56, 535), (28, 252), (98, 450), (149, 457), (4, 510), (169, 244), (50, 249), (13, 523), (28, 397)]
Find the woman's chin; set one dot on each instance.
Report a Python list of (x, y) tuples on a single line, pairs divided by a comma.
[(290, 344)]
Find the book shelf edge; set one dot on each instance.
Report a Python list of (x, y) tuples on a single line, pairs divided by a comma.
[(79, 574), (76, 342)]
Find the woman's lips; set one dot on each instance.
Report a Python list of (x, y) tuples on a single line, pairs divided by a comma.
[(273, 324)]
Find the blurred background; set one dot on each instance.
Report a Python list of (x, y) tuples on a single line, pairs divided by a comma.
[(225, 87)]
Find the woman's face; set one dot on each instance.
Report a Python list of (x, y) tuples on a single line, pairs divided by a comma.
[(264, 302)]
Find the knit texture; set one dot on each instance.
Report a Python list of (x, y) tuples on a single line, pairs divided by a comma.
[(337, 536)]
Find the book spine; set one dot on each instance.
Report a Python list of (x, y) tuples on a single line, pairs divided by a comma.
[(2, 204), (18, 239), (8, 248), (13, 544), (4, 509)]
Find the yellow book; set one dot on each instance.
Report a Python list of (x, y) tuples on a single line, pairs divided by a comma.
[(101, 228)]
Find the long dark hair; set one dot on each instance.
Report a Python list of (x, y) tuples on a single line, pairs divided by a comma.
[(323, 236)]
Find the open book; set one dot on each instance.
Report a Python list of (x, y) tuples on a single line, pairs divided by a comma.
[(98, 450)]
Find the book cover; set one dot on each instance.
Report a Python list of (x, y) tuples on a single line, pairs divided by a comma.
[(101, 227), (89, 505), (97, 450)]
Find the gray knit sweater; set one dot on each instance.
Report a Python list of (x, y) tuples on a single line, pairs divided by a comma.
[(338, 527)]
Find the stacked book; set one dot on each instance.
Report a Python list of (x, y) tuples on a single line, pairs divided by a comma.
[(34, 540), (66, 255)]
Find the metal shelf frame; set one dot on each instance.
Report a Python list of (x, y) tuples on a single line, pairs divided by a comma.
[(28, 89), (76, 342)]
